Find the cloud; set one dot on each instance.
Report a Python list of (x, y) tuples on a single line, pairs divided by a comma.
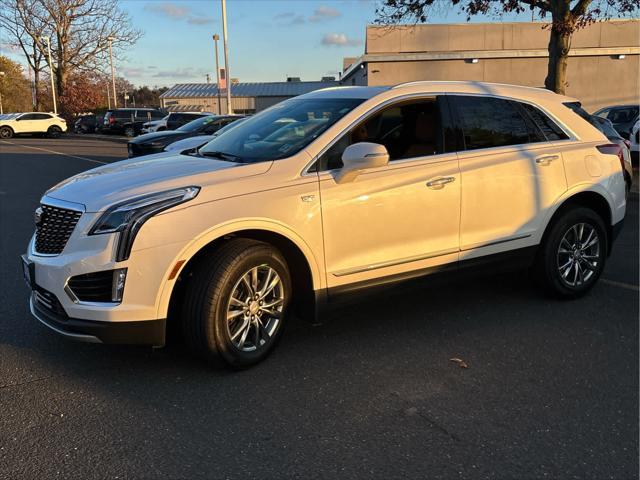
[(289, 18), (188, 73), (179, 12), (201, 20), (171, 10), (323, 13), (339, 40)]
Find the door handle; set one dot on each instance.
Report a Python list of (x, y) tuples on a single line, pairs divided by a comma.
[(546, 159), (440, 182)]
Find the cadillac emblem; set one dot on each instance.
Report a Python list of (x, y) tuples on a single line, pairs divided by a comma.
[(38, 216)]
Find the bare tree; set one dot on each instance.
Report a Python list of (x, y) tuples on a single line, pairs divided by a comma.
[(18, 20), (567, 16), (79, 32)]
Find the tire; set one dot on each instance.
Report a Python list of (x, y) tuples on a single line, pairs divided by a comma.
[(573, 254), (208, 303), (54, 131), (6, 132), (130, 132)]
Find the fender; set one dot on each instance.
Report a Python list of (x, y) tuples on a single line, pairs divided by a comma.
[(567, 195), (229, 228)]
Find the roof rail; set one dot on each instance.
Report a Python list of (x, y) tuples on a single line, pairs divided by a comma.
[(463, 82)]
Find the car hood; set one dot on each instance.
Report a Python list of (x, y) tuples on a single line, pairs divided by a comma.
[(161, 137), (104, 186)]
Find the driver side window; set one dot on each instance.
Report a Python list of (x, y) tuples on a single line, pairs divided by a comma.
[(410, 129)]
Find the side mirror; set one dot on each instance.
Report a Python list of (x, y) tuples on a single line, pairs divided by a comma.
[(361, 156)]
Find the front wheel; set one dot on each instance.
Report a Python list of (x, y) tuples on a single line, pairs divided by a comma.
[(6, 132), (236, 303), (54, 132), (573, 254)]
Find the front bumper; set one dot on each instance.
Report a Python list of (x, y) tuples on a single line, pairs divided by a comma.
[(149, 332)]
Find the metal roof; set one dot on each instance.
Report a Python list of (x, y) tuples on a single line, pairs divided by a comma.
[(260, 89)]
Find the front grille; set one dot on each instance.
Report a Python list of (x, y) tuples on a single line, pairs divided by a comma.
[(54, 229), (48, 300), (93, 287)]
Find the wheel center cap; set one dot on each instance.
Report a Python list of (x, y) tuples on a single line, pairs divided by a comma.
[(254, 307)]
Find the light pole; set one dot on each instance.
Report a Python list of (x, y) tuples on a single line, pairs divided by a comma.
[(53, 88), (216, 37), (1, 84), (113, 73), (226, 56)]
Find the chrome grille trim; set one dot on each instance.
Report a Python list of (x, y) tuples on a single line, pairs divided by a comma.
[(53, 232)]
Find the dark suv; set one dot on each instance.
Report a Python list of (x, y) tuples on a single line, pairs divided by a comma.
[(129, 120)]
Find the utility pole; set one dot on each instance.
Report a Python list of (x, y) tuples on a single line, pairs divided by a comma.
[(53, 88), (226, 56), (216, 37), (113, 74), (1, 85)]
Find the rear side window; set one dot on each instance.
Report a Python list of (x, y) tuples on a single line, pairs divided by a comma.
[(549, 128), (488, 122), (622, 115)]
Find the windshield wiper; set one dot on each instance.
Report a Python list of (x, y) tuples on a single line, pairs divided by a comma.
[(222, 156)]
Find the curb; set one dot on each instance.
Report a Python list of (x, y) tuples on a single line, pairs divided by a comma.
[(104, 138)]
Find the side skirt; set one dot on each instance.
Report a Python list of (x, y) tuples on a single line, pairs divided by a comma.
[(326, 300)]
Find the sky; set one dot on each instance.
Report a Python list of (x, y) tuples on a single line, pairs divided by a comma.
[(269, 40)]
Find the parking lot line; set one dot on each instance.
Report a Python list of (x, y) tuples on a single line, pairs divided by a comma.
[(53, 151), (628, 286)]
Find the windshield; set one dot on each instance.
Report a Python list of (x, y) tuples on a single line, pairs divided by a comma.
[(195, 125), (280, 131)]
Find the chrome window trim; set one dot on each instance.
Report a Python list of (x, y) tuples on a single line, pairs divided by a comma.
[(410, 96)]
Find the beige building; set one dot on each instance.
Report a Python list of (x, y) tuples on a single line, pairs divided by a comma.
[(604, 63)]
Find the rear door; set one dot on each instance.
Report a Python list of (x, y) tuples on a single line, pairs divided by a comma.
[(510, 174)]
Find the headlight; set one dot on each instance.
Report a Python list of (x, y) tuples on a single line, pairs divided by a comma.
[(127, 217)]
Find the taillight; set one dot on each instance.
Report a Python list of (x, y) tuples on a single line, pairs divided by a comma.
[(112, 120), (612, 149)]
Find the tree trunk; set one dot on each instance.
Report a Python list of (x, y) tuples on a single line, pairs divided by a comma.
[(559, 45), (36, 88)]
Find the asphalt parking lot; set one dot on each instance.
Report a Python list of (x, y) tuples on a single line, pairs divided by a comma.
[(551, 390)]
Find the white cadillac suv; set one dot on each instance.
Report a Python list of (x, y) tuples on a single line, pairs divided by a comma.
[(32, 122), (320, 197)]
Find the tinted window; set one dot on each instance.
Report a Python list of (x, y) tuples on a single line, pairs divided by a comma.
[(490, 122), (407, 130), (547, 126), (40, 116), (123, 114), (27, 116), (604, 126), (623, 115), (197, 125), (280, 131)]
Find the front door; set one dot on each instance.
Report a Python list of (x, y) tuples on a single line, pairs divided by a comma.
[(395, 219)]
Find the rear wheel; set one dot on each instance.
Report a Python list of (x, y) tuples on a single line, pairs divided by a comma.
[(573, 254), (236, 303), (54, 131), (6, 132), (130, 132)]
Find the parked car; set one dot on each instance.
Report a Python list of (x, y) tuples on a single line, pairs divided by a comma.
[(154, 125), (634, 139), (128, 121), (623, 117), (376, 186), (191, 143), (156, 142), (606, 127), (86, 124), (33, 123)]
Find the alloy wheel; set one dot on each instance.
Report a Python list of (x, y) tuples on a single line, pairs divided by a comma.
[(578, 257), (255, 308)]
